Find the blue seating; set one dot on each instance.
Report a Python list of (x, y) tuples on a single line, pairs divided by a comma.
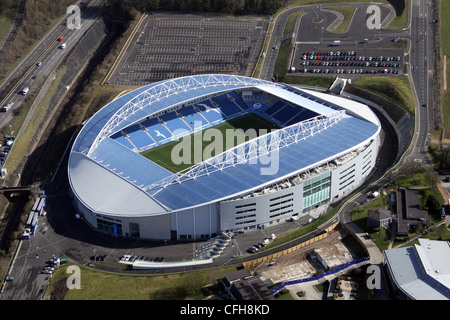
[(138, 137), (174, 123), (301, 116), (262, 107), (227, 106), (192, 117), (277, 106), (211, 113), (238, 99), (156, 129), (286, 113)]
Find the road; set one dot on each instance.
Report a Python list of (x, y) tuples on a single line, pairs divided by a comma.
[(28, 74), (30, 282), (420, 61), (420, 73)]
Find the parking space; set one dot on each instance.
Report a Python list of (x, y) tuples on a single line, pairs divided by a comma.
[(5, 147), (350, 62), (174, 46)]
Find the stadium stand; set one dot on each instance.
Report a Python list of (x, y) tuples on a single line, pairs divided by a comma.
[(174, 123), (138, 137), (227, 107), (157, 130), (192, 117), (275, 107), (211, 113)]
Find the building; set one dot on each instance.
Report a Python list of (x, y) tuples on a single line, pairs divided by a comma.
[(242, 285), (379, 217), (408, 210), (325, 147), (420, 272)]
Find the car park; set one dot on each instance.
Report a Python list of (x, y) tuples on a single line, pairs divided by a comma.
[(324, 61)]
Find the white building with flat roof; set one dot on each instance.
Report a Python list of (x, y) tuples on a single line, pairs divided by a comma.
[(420, 272)]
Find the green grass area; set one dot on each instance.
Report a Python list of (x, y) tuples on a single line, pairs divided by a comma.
[(290, 23), (402, 12), (98, 285), (396, 89), (285, 50), (283, 59), (445, 45), (321, 82), (104, 95), (380, 236), (4, 23), (348, 12), (409, 178), (181, 154)]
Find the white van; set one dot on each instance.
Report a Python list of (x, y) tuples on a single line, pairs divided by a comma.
[(336, 43), (6, 107), (62, 46), (25, 91)]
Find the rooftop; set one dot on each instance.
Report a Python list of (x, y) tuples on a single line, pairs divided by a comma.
[(422, 272), (342, 127)]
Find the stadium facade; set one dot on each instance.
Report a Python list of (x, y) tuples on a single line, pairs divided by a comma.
[(325, 147)]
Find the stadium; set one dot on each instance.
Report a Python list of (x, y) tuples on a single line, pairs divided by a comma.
[(132, 174)]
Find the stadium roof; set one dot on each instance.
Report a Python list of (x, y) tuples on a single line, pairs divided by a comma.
[(422, 272), (106, 175)]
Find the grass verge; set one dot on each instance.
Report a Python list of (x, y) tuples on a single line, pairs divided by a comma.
[(401, 19), (394, 89), (445, 44), (98, 285), (348, 12)]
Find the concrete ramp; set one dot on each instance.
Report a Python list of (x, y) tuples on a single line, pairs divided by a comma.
[(338, 85)]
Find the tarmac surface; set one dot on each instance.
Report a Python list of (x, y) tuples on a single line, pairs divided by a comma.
[(167, 46)]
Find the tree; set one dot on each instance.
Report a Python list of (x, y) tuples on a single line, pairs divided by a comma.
[(433, 204)]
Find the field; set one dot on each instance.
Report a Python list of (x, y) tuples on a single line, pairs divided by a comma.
[(445, 33), (205, 144), (395, 89), (96, 285)]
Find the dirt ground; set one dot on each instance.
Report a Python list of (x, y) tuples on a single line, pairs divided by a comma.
[(298, 264)]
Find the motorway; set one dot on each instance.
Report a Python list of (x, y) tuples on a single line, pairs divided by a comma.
[(28, 74)]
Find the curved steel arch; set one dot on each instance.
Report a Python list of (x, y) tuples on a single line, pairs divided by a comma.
[(253, 149), (165, 89)]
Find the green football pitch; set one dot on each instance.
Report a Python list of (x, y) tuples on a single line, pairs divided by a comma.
[(179, 155)]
